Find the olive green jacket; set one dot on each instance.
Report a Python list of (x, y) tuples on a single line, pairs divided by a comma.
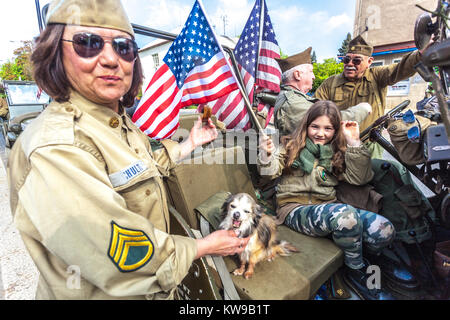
[(291, 105), (87, 196), (318, 186), (371, 88)]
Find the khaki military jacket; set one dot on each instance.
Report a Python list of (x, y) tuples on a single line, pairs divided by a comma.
[(298, 188), (87, 196), (291, 105), (371, 88)]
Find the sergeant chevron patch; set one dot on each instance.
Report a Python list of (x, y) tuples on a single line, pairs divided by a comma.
[(129, 249)]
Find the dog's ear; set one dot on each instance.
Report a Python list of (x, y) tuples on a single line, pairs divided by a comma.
[(264, 233), (224, 208), (258, 209)]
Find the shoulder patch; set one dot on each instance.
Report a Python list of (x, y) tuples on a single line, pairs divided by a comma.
[(129, 249)]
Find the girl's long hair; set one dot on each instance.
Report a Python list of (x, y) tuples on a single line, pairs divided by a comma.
[(295, 142)]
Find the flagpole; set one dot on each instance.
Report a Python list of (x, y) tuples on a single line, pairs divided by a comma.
[(241, 90), (261, 29)]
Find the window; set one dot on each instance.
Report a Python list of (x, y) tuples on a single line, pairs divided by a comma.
[(155, 60), (397, 60), (377, 63)]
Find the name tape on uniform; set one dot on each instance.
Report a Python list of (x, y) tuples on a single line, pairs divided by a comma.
[(122, 177)]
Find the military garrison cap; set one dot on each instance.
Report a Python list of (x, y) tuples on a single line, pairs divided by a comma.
[(91, 13), (360, 46), (295, 60)]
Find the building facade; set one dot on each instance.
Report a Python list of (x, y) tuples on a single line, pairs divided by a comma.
[(388, 25)]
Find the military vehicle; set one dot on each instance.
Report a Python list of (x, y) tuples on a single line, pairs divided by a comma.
[(25, 102), (197, 188)]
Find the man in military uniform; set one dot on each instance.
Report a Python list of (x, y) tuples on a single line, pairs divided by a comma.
[(360, 83), (293, 102)]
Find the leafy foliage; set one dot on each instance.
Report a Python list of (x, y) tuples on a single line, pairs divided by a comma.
[(326, 69), (344, 47), (20, 67)]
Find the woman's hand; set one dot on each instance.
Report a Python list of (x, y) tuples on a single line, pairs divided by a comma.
[(221, 243), (266, 148), (350, 129), (202, 134), (198, 136)]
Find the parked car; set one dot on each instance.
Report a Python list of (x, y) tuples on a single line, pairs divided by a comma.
[(25, 102)]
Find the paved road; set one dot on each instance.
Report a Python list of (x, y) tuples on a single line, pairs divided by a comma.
[(18, 274)]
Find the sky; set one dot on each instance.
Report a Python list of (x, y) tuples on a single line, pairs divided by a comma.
[(298, 24)]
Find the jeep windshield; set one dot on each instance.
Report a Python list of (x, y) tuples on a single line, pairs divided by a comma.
[(24, 97)]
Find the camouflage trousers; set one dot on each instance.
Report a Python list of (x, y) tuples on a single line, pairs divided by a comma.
[(349, 227)]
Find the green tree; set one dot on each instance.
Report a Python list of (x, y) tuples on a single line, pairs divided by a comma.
[(314, 57), (326, 69), (20, 67), (2, 92), (344, 47), (283, 55)]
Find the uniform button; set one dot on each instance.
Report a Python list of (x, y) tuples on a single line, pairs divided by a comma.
[(114, 122), (69, 109), (148, 192), (136, 150)]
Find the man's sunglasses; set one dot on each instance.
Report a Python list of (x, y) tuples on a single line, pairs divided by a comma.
[(356, 61), (88, 45)]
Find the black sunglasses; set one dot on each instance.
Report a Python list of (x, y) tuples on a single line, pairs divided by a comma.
[(356, 61), (88, 45)]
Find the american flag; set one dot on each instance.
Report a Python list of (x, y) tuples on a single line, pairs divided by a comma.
[(231, 109), (195, 71)]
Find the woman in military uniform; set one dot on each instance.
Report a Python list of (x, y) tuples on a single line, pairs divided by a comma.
[(87, 191)]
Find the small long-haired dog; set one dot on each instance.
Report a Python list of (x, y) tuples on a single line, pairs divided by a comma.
[(241, 213)]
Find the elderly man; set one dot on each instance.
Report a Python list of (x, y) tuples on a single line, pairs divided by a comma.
[(360, 83), (293, 102)]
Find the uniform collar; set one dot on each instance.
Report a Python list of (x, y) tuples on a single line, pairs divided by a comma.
[(291, 88), (98, 111), (341, 80)]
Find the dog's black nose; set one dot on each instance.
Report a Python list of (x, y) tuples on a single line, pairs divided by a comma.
[(236, 215)]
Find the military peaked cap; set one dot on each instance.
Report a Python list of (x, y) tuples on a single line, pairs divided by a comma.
[(295, 60), (91, 13), (360, 46)]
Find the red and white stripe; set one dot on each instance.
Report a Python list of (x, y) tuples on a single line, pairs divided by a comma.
[(268, 75), (231, 109), (158, 113)]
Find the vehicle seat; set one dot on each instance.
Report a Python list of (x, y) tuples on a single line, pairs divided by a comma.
[(198, 184)]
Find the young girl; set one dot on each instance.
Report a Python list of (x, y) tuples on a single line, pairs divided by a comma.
[(321, 152)]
